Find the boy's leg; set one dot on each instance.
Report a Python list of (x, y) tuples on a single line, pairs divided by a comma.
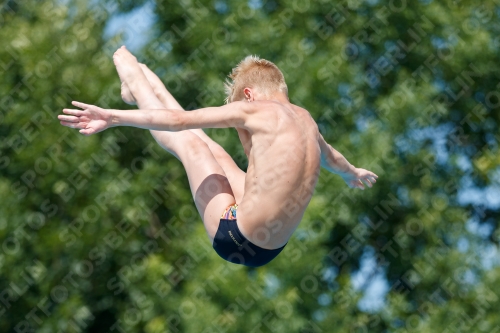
[(211, 190), (234, 174)]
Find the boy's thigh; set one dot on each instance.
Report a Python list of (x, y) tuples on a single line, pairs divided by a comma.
[(211, 199), (235, 176)]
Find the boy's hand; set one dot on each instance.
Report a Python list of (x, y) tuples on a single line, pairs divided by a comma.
[(92, 119), (359, 177)]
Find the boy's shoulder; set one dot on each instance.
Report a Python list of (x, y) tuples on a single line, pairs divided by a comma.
[(260, 107)]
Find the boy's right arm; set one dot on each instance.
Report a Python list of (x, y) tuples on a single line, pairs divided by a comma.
[(93, 119), (335, 162)]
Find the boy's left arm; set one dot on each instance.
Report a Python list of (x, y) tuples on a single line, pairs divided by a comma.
[(336, 163), (93, 119)]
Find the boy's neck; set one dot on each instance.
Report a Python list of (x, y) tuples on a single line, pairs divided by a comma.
[(278, 97)]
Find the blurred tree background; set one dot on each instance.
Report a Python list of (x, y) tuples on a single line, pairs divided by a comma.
[(100, 234)]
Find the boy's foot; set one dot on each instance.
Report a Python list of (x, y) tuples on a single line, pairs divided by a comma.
[(127, 96), (153, 80), (128, 70)]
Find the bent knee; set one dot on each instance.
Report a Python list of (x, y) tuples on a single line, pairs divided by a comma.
[(193, 143)]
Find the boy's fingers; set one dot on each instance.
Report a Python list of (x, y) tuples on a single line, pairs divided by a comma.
[(81, 105), (73, 112), (87, 131), (73, 125), (71, 119), (64, 123)]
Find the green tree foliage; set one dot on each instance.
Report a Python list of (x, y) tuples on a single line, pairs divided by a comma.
[(100, 234)]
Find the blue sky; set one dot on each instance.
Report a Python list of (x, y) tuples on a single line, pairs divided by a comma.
[(136, 26)]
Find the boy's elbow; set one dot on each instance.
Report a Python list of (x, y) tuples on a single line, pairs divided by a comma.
[(176, 120), (329, 163), (324, 162)]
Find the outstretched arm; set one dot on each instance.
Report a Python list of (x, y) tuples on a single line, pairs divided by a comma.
[(335, 162), (93, 119)]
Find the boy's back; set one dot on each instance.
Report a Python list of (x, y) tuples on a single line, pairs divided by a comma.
[(283, 167)]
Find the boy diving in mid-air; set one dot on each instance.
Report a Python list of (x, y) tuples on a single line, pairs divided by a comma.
[(260, 208)]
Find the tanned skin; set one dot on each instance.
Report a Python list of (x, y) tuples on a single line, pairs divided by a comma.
[(284, 147)]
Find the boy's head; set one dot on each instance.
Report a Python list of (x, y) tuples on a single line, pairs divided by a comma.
[(261, 76)]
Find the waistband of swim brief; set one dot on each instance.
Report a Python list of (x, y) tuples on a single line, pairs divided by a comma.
[(256, 247)]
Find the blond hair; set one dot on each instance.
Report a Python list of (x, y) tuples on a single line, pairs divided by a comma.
[(254, 72)]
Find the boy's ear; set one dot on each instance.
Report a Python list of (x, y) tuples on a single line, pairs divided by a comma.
[(248, 93)]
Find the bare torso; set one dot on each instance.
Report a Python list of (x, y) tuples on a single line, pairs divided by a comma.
[(283, 168)]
